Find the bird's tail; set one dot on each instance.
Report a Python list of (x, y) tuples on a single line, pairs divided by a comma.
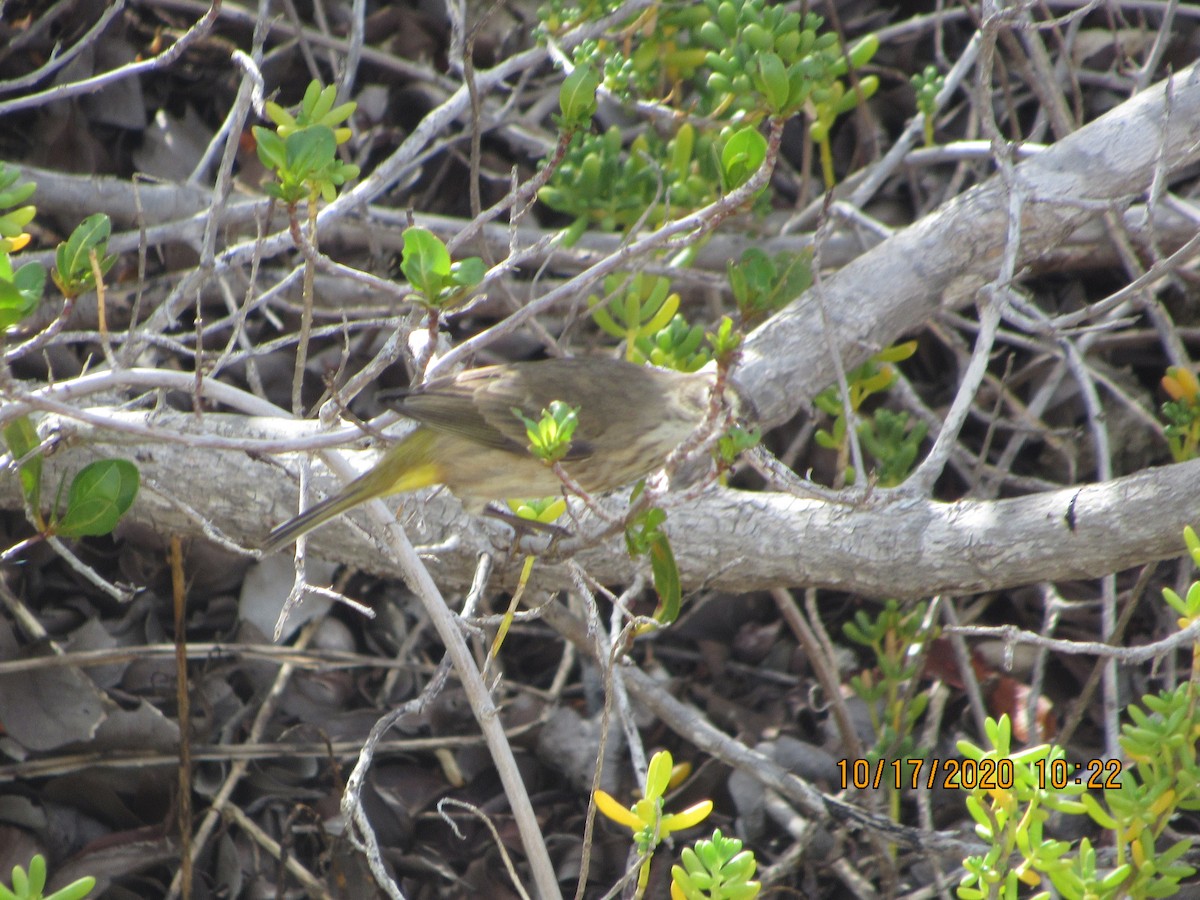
[(315, 515), (409, 465)]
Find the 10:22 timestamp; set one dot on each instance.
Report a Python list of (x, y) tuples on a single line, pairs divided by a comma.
[(988, 774)]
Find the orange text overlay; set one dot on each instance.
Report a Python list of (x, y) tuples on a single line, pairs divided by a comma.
[(984, 774)]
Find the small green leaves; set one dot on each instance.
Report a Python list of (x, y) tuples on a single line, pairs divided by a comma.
[(894, 442), (1188, 607), (762, 285), (30, 886), (577, 97), (13, 222), (741, 157), (644, 537), (1182, 413), (725, 341), (305, 164), (302, 151), (21, 438), (426, 264), (425, 261), (888, 435), (99, 495), (928, 84), (773, 82), (315, 109), (676, 346), (717, 869), (100, 492), (20, 292), (636, 307), (543, 510), (642, 311), (736, 441), (73, 265), (600, 184), (550, 436)]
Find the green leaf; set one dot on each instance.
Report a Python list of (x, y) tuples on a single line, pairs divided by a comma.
[(774, 81), (21, 438), (425, 261), (20, 296), (272, 151), (72, 254), (99, 495), (741, 156), (310, 150), (577, 97), (550, 437), (666, 580), (13, 222), (76, 890), (468, 272), (11, 196)]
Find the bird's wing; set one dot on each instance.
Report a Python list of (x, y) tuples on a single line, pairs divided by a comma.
[(478, 405), (528, 388)]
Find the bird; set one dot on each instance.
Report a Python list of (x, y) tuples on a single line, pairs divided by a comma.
[(471, 437)]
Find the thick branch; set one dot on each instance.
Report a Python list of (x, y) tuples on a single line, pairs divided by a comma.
[(942, 260), (726, 539)]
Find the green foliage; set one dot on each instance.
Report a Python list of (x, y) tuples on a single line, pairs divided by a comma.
[(717, 869), (656, 65), (558, 16), (644, 537), (894, 442), (770, 58), (543, 510), (928, 84), (676, 346), (99, 495), (1182, 413), (1188, 607), (315, 109), (302, 151), (600, 185), (20, 289), (741, 156), (725, 341), (438, 282), (1161, 780), (29, 886), (73, 272), (577, 97), (735, 442), (762, 285), (1134, 802), (897, 639), (550, 436), (641, 311), (1010, 813), (729, 62), (887, 436), (635, 307), (13, 222), (21, 438)]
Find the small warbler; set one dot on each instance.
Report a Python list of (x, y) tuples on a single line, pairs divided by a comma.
[(470, 439)]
